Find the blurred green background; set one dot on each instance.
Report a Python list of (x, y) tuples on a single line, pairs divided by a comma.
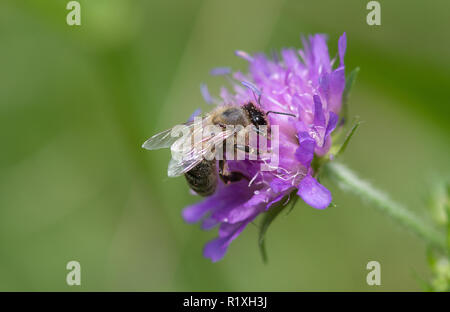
[(77, 102)]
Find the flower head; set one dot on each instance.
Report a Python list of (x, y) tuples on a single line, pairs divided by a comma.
[(300, 82)]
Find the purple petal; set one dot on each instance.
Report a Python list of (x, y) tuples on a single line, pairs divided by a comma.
[(225, 94), (320, 50), (215, 249), (205, 93), (195, 114), (195, 212), (281, 188), (227, 229), (303, 107), (220, 71), (337, 85), (244, 55), (278, 185), (319, 117), (315, 55), (252, 87), (324, 85), (305, 152), (290, 58), (314, 193), (209, 223), (322, 150), (233, 235), (342, 46), (260, 68), (225, 198), (239, 213), (275, 56), (332, 122)]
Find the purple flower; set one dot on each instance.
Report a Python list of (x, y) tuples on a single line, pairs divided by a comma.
[(300, 82)]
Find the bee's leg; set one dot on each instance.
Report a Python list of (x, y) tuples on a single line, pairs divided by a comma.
[(223, 169), (227, 176)]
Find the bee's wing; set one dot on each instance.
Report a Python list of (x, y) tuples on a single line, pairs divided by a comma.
[(193, 156), (177, 168), (163, 139)]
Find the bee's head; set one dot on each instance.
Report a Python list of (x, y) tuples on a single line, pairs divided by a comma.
[(255, 115)]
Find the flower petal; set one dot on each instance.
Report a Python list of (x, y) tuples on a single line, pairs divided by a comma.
[(319, 116), (226, 198), (290, 58), (242, 212), (278, 185), (205, 93), (215, 249), (305, 152), (342, 45), (244, 55), (195, 212), (209, 223), (220, 71), (332, 122), (197, 112), (227, 229), (336, 88), (314, 193)]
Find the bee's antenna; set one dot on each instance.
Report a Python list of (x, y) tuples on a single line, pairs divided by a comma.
[(280, 113), (254, 90), (259, 98)]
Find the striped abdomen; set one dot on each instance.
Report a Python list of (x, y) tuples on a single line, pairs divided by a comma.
[(202, 179)]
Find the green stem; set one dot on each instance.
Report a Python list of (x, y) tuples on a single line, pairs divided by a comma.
[(348, 180)]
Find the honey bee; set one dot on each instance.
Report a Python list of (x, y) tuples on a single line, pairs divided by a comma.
[(201, 174)]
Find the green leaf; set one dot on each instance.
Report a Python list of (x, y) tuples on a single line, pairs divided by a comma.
[(348, 137), (346, 94), (349, 84), (268, 218)]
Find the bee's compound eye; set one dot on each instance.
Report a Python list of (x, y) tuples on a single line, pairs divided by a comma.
[(259, 120)]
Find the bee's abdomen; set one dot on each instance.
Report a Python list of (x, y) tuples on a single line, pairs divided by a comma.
[(202, 179)]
